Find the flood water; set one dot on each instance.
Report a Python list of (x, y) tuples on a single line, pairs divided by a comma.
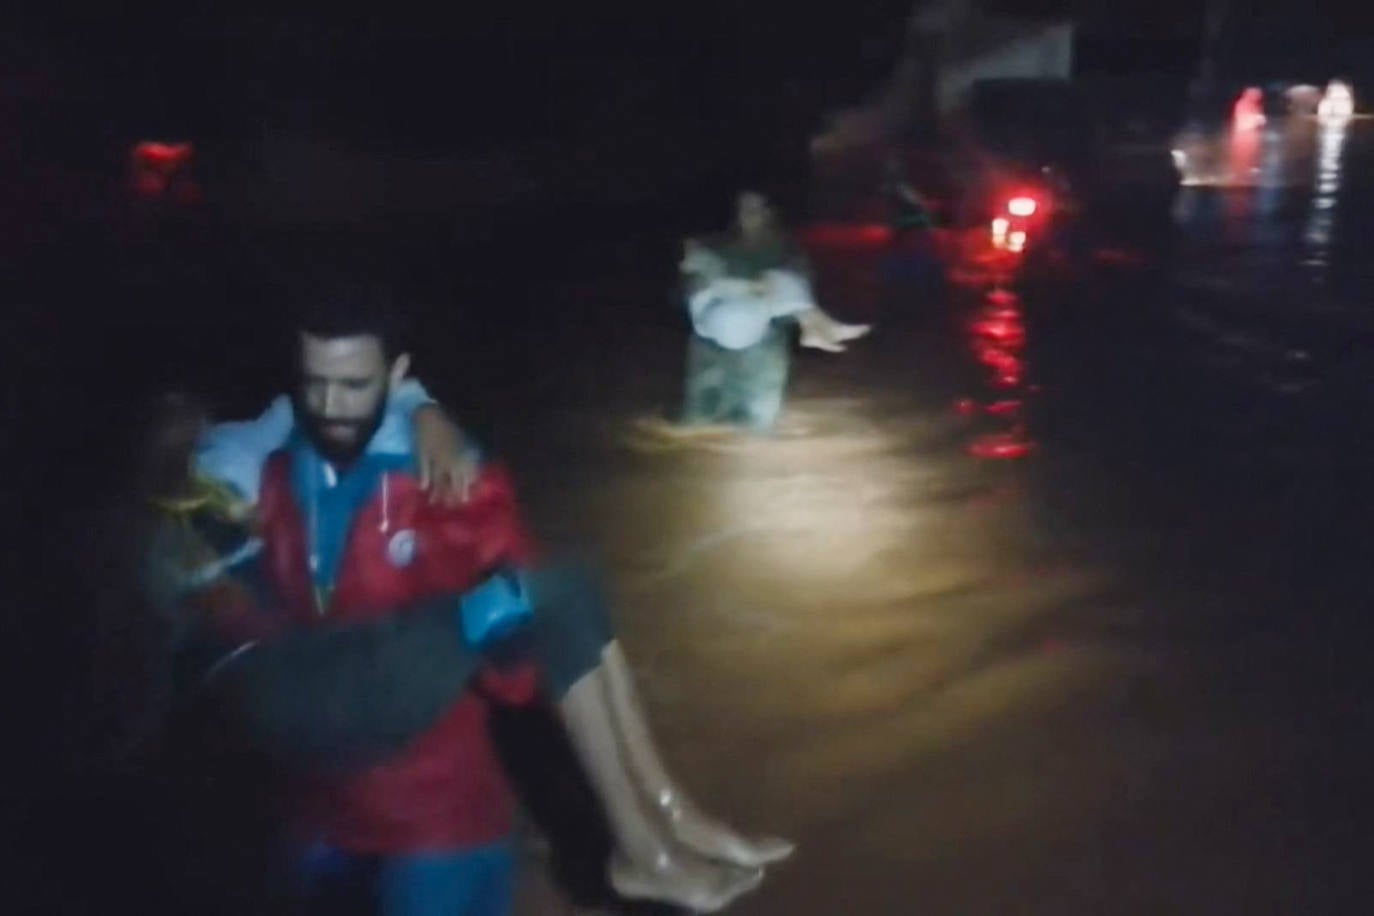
[(1117, 669), (1119, 674)]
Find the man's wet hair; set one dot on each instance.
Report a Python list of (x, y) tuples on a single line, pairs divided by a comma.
[(331, 305)]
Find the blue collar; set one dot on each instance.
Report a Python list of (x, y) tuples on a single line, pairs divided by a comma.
[(330, 499)]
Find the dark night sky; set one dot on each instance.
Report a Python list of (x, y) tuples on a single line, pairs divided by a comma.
[(514, 71), (506, 66)]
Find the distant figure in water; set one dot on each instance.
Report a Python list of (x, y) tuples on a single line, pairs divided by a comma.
[(744, 289)]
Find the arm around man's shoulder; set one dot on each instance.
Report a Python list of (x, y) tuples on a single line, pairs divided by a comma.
[(488, 522)]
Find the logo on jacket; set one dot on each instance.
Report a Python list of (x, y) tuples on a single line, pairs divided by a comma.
[(400, 550)]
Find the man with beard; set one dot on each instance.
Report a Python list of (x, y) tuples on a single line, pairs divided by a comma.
[(348, 538)]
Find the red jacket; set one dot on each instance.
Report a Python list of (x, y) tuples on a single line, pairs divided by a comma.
[(447, 790)]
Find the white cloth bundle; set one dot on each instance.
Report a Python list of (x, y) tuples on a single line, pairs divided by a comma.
[(736, 313)]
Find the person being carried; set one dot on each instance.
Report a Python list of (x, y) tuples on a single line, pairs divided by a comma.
[(742, 291)]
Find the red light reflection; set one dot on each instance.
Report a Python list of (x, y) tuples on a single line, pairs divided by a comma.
[(1004, 408), (149, 184), (997, 338), (1001, 330), (1013, 444), (1248, 112)]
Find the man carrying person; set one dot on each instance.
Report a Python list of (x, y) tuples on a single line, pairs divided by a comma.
[(349, 540), (743, 290)]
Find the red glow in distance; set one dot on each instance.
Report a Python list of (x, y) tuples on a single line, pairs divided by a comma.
[(1007, 332), (162, 155)]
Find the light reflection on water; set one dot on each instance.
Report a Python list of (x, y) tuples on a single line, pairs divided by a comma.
[(1321, 218), (1260, 218), (1272, 286)]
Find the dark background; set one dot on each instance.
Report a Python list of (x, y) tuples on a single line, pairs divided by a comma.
[(98, 314)]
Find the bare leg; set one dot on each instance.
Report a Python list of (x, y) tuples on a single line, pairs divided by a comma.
[(688, 823), (822, 332), (645, 864)]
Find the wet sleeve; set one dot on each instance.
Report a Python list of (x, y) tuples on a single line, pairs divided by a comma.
[(233, 453), (397, 429), (791, 294), (349, 694), (406, 397)]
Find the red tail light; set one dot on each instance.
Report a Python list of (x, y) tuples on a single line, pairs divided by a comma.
[(1022, 206)]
